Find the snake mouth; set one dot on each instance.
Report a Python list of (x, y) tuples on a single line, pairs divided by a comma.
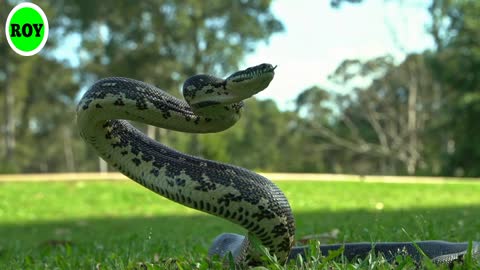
[(252, 73)]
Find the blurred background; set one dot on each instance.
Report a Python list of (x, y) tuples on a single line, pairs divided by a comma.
[(385, 87)]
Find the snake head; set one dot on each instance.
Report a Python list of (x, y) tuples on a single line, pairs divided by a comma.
[(246, 83), (206, 93)]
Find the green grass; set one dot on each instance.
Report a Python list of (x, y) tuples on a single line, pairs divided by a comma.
[(121, 225)]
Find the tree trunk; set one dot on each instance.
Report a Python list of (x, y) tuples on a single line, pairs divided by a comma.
[(103, 166), (412, 156), (68, 150), (9, 98), (9, 106)]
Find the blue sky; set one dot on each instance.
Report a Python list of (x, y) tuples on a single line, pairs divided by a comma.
[(317, 38)]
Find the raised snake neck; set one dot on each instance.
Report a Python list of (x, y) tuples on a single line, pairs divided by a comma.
[(224, 190)]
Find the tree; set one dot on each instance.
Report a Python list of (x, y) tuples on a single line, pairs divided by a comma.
[(388, 121), (8, 127), (26, 82), (456, 63), (165, 42), (454, 66), (160, 42)]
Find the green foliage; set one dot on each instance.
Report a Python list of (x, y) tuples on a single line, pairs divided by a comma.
[(457, 65), (417, 117), (160, 42), (165, 42)]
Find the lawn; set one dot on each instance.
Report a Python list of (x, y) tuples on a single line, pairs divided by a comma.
[(118, 225)]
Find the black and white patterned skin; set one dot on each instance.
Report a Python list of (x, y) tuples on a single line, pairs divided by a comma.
[(230, 192)]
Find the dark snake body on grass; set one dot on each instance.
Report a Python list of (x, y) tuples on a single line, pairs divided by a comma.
[(234, 193)]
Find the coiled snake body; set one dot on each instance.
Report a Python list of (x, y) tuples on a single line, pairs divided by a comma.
[(239, 195)]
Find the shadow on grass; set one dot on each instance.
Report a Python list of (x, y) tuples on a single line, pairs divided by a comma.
[(165, 236)]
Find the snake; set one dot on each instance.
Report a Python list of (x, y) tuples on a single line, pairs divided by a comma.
[(211, 104)]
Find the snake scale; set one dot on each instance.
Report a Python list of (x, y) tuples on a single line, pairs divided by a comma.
[(241, 196)]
